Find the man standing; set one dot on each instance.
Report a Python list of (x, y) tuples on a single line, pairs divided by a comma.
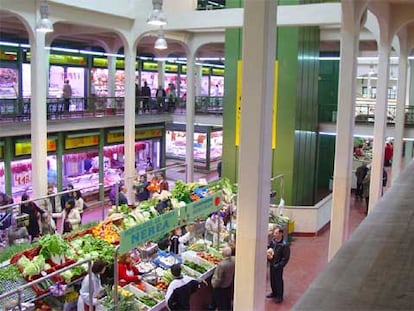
[(146, 95), (278, 254), (66, 94), (360, 173), (222, 281)]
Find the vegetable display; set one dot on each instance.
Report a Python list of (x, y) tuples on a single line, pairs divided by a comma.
[(10, 272), (148, 300), (194, 266)]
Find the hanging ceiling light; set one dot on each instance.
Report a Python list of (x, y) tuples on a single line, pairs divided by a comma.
[(157, 16), (161, 43), (44, 25)]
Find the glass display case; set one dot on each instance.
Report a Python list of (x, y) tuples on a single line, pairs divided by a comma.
[(207, 142)]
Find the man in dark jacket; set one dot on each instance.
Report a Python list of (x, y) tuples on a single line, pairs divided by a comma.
[(278, 254), (180, 289)]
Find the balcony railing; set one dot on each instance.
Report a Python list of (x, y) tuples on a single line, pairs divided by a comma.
[(365, 113), (80, 107)]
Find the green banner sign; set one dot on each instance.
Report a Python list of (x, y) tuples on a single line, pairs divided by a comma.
[(151, 230), (202, 208)]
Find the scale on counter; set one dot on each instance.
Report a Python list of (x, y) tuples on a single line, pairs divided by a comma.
[(149, 252)]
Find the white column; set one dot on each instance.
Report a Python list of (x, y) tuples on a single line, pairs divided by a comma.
[(380, 124), (161, 74), (129, 117), (111, 75), (190, 111), (408, 152), (344, 127), (198, 79), (38, 123), (259, 51), (400, 113)]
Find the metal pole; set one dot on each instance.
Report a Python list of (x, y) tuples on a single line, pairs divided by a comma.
[(116, 277), (91, 289)]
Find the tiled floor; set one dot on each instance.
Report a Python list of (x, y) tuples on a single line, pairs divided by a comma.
[(308, 258)]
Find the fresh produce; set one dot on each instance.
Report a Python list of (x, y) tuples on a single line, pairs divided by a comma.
[(53, 245), (34, 267), (107, 232), (125, 303), (10, 272), (209, 257), (124, 292), (8, 252), (194, 266), (140, 286), (89, 246), (157, 295), (124, 209), (162, 285), (198, 246), (167, 277), (23, 262), (148, 300)]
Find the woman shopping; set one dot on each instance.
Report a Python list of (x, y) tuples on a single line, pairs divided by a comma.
[(71, 218)]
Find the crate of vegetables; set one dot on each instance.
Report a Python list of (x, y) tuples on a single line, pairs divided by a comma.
[(153, 298), (196, 263)]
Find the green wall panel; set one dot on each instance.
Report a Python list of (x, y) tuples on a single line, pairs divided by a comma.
[(328, 89), (326, 159), (233, 47)]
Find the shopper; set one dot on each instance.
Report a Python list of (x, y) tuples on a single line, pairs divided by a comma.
[(66, 94), (146, 96), (162, 182), (180, 290), (69, 195), (48, 225), (127, 271), (222, 281), (278, 254), (98, 268), (160, 96), (79, 202), (52, 203), (35, 213), (70, 217), (360, 173), (140, 187), (365, 189)]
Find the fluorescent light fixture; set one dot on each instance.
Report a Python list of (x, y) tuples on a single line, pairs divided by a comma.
[(9, 43), (64, 50), (44, 25), (157, 16), (114, 55), (362, 58), (161, 43), (24, 45), (91, 52)]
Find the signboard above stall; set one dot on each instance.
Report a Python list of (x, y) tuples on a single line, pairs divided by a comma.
[(117, 136), (62, 59), (24, 147), (81, 141), (157, 227)]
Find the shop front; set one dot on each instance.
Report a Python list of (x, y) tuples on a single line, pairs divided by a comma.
[(208, 143)]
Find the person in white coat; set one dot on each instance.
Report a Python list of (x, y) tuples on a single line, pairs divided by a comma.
[(71, 218), (98, 268)]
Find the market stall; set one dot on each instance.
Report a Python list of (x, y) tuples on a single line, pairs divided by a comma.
[(136, 230)]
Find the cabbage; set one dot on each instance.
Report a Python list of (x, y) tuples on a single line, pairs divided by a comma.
[(23, 262)]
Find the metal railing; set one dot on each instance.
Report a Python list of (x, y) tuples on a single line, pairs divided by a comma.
[(19, 109), (365, 113)]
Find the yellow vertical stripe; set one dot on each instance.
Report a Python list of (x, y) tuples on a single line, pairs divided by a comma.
[(275, 92), (238, 102)]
